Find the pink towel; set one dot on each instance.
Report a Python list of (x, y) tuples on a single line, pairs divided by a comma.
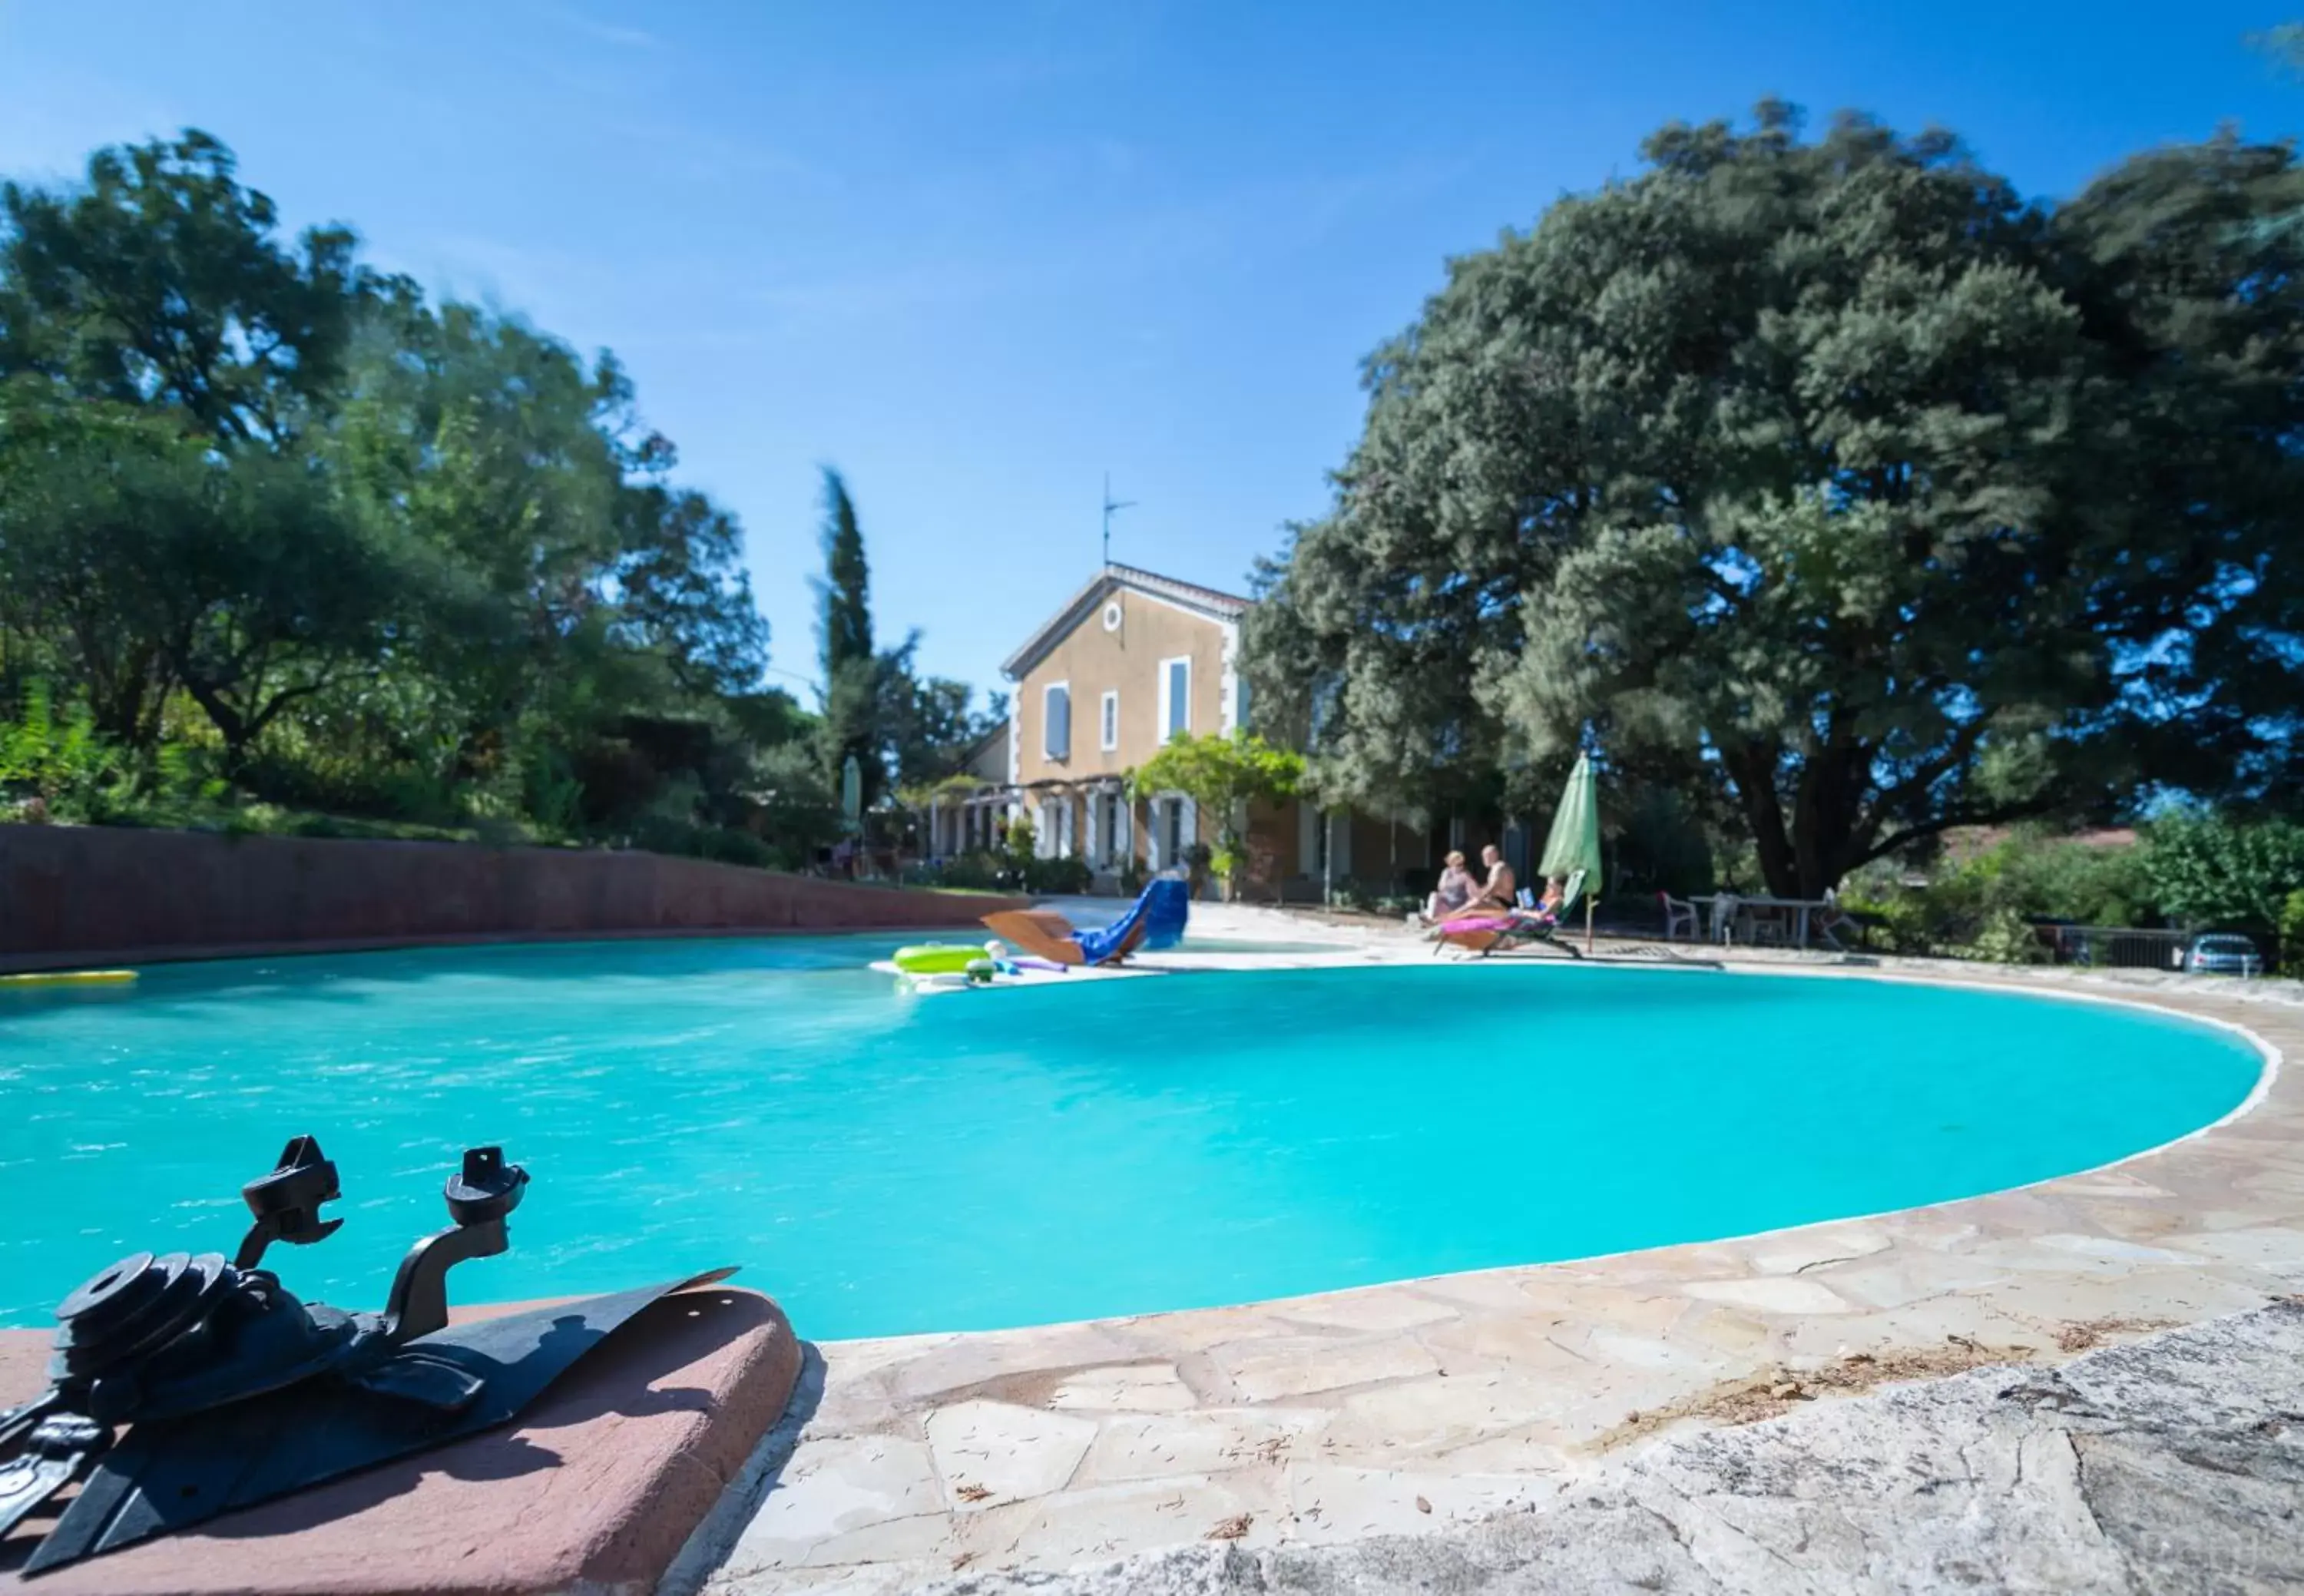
[(1484, 923)]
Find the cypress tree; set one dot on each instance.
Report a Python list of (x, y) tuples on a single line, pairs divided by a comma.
[(844, 643)]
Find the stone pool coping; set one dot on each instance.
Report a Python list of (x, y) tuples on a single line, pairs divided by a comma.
[(1419, 1404)]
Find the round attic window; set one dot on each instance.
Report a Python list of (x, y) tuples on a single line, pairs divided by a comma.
[(1112, 616)]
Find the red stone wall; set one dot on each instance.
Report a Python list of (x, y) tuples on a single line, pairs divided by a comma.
[(73, 895)]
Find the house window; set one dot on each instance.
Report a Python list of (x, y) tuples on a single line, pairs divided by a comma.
[(1112, 832), (1057, 840), (1109, 720), (1056, 720), (1175, 697)]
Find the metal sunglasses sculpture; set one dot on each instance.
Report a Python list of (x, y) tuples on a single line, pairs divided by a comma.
[(185, 1386)]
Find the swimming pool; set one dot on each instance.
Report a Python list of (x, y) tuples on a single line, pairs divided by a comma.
[(886, 1165)]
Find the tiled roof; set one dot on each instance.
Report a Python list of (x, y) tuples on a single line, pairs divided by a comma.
[(1228, 603), (1207, 602)]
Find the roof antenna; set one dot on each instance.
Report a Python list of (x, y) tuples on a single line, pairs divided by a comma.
[(1110, 505)]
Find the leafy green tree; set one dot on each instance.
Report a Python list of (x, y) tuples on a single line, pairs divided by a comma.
[(682, 591), (928, 725), (275, 589), (244, 579), (381, 556), (1829, 481), (160, 281), (2186, 265), (1222, 775), (73, 562), (572, 581)]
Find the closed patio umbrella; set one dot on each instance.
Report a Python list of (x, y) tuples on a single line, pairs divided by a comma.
[(851, 793), (1575, 844)]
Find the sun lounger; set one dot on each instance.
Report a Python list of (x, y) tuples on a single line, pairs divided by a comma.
[(1156, 921), (1525, 925)]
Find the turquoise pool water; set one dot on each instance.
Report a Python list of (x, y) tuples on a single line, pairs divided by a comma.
[(886, 1165)]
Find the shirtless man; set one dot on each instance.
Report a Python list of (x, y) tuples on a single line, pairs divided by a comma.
[(1501, 890)]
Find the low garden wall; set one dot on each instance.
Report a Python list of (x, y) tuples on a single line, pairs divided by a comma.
[(77, 895)]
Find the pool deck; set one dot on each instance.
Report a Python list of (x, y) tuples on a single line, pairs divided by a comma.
[(1412, 1406)]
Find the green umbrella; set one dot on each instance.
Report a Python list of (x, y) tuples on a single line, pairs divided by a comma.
[(851, 793), (1574, 845)]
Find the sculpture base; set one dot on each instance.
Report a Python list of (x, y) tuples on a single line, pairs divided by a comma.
[(596, 1486)]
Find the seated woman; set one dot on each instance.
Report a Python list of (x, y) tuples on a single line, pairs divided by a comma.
[(1453, 893), (1554, 898)]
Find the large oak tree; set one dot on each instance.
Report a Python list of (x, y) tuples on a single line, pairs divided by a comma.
[(1833, 482)]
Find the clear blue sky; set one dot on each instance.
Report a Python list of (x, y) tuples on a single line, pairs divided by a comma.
[(975, 255)]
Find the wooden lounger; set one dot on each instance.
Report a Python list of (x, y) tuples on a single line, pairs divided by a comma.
[(1047, 935)]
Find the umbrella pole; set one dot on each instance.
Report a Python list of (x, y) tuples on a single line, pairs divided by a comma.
[(1588, 924)]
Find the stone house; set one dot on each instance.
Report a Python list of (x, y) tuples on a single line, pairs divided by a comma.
[(1129, 660)]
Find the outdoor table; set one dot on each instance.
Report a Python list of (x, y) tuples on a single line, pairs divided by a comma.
[(1725, 906)]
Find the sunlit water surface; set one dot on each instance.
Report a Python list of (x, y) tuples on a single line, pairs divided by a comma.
[(884, 1164)]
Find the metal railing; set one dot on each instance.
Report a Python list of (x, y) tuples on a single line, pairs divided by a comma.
[(2115, 947)]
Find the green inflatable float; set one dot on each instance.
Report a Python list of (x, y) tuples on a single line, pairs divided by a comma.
[(938, 959)]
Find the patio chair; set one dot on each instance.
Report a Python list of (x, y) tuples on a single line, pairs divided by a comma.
[(1156, 921), (1484, 934), (1679, 915), (1829, 921)]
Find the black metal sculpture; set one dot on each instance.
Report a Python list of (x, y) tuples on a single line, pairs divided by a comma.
[(184, 1385)]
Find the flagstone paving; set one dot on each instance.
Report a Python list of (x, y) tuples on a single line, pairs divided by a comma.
[(1416, 1405)]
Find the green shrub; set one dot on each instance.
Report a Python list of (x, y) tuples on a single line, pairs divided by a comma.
[(59, 769), (1064, 876), (2214, 870), (1017, 849), (2007, 937), (1974, 907), (976, 872), (2292, 934)]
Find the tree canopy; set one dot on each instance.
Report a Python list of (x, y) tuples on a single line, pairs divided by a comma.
[(1833, 484), (263, 506)]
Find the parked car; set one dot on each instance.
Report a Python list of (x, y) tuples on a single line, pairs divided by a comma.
[(2221, 953)]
